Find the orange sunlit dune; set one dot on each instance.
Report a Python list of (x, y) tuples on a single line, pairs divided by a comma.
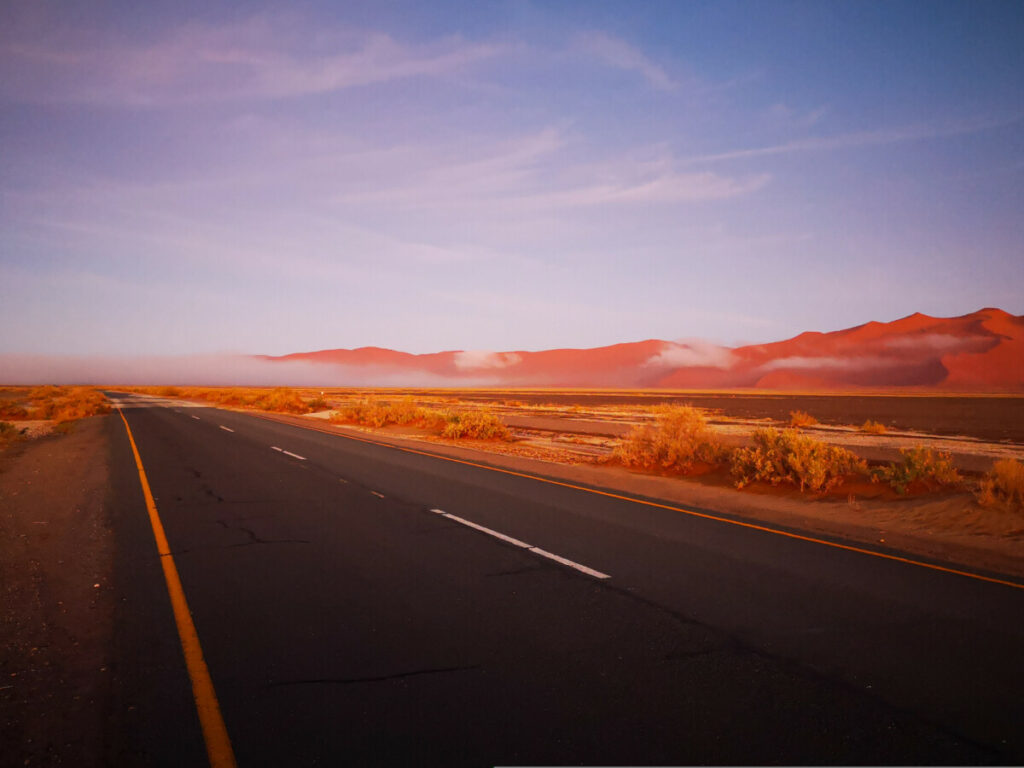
[(982, 351)]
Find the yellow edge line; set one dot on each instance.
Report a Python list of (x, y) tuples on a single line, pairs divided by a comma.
[(694, 513), (215, 734)]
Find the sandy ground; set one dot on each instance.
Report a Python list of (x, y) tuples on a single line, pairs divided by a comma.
[(55, 558)]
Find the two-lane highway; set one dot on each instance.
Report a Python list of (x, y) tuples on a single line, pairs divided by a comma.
[(362, 604)]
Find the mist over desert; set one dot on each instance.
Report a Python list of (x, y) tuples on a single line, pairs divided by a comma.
[(979, 352)]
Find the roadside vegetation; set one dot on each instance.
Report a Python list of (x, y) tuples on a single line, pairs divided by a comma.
[(680, 439), (799, 419), (478, 424), (918, 466), (870, 427), (58, 404), (8, 434), (1003, 487), (371, 412), (36, 411), (789, 457), (277, 400)]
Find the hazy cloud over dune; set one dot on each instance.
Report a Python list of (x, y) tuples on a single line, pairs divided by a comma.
[(476, 359), (693, 353), (837, 363)]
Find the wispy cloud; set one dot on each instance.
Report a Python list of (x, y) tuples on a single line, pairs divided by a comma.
[(862, 139), (619, 54), (264, 57), (544, 171)]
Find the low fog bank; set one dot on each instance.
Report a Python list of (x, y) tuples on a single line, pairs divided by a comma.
[(209, 370)]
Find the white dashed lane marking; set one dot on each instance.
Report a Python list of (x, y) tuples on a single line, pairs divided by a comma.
[(523, 545)]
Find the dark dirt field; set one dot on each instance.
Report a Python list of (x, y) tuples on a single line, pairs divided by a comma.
[(57, 613), (997, 418)]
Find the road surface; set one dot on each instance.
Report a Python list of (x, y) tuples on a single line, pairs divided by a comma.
[(360, 604)]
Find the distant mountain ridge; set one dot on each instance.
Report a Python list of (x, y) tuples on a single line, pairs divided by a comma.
[(982, 351)]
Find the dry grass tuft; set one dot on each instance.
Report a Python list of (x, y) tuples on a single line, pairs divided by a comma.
[(799, 419), (789, 457), (680, 439), (918, 465), (873, 427), (1003, 486)]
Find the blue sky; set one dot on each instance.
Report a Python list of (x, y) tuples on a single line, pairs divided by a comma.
[(205, 178)]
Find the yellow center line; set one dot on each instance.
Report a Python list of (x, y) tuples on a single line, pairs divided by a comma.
[(215, 734), (684, 510)]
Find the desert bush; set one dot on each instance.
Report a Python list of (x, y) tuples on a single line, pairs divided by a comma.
[(1003, 486), (873, 427), (479, 424), (79, 403), (9, 410), (373, 413), (9, 434), (280, 400), (799, 419), (680, 438), (367, 412), (789, 457), (918, 464), (61, 404), (46, 393), (169, 392), (318, 403)]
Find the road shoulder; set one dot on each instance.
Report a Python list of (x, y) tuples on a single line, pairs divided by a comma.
[(56, 554)]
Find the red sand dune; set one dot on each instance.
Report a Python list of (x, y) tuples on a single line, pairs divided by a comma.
[(979, 352)]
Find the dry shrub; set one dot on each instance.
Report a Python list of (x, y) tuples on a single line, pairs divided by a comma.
[(77, 403), (789, 457), (1003, 486), (169, 392), (281, 400), (799, 419), (873, 427), (479, 425), (318, 403), (373, 413), (918, 465), (367, 412), (680, 438), (8, 433), (45, 394), (9, 410)]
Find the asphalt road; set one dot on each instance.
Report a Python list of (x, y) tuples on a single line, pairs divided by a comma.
[(346, 621)]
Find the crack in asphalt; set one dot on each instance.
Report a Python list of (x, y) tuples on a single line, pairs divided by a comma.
[(376, 679), (254, 538)]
